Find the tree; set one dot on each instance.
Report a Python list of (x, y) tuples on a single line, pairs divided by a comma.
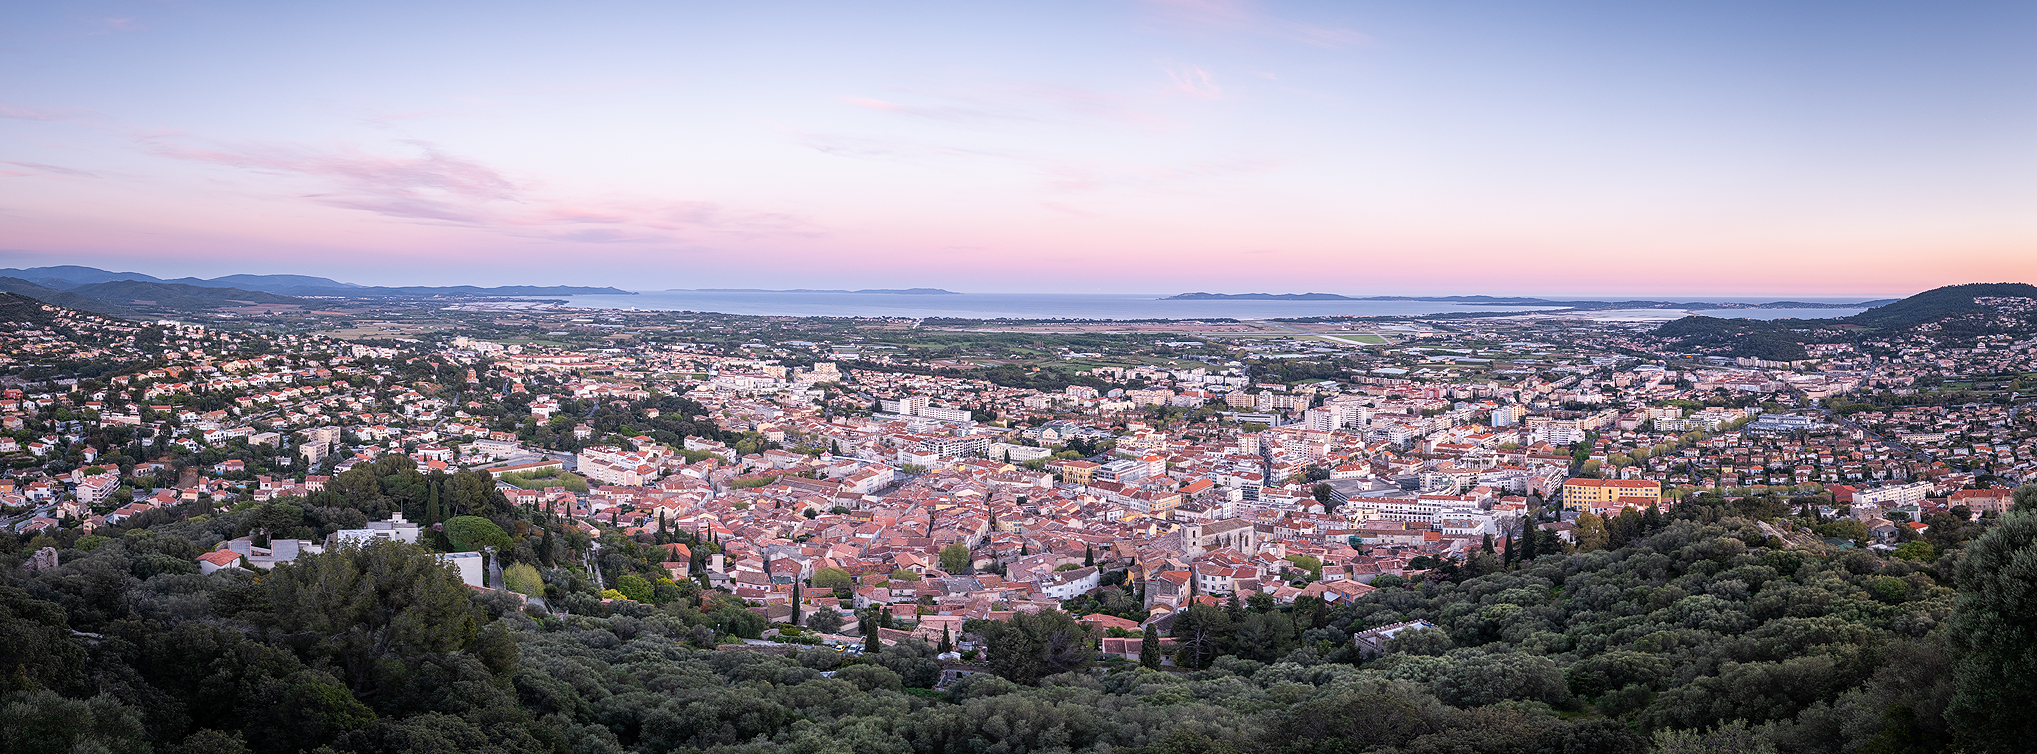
[(36, 648), (1475, 678), (471, 533), (1994, 624), (40, 721), (1265, 637), (634, 587), (900, 574), (1201, 634), (955, 558), (1591, 533), (357, 607), (2025, 497), (836, 579), (826, 620), (1149, 647), (871, 643), (1031, 646), (523, 579)]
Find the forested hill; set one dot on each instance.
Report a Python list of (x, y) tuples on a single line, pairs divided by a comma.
[(1941, 303), (1688, 633), (15, 307), (1955, 312), (1773, 340)]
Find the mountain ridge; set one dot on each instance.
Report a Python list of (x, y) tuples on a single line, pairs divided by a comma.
[(71, 277)]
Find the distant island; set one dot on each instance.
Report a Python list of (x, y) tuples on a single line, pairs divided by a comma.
[(895, 291), (1519, 301)]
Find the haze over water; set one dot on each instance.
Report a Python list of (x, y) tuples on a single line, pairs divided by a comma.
[(1056, 306)]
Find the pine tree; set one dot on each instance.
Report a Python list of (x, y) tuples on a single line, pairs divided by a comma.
[(1149, 648)]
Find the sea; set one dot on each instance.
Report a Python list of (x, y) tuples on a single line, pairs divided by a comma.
[(1110, 306)]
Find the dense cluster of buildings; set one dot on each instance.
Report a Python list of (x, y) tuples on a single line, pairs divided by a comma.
[(1183, 482)]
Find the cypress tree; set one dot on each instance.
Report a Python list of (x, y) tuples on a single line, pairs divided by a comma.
[(947, 641), (871, 644), (795, 603), (1149, 648), (1088, 555)]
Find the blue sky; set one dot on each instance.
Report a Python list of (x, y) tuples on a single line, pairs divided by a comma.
[(1574, 148)]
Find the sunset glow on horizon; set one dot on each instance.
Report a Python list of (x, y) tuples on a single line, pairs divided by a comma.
[(1716, 149)]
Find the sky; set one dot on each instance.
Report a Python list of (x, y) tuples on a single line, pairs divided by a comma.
[(1417, 148)]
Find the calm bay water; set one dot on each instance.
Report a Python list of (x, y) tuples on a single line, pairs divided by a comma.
[(1778, 313), (1011, 305), (1062, 306)]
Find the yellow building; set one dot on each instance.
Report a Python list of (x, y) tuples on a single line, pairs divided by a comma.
[(1584, 494)]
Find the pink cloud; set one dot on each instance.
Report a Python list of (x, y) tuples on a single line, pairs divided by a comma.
[(55, 169), (438, 188), (433, 186)]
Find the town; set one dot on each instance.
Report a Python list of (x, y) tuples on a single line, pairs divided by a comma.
[(919, 505), (1307, 466)]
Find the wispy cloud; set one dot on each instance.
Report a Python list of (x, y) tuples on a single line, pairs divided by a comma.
[(386, 119), (55, 169), (1194, 82), (1079, 177), (22, 113), (947, 112), (1242, 16), (429, 185)]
